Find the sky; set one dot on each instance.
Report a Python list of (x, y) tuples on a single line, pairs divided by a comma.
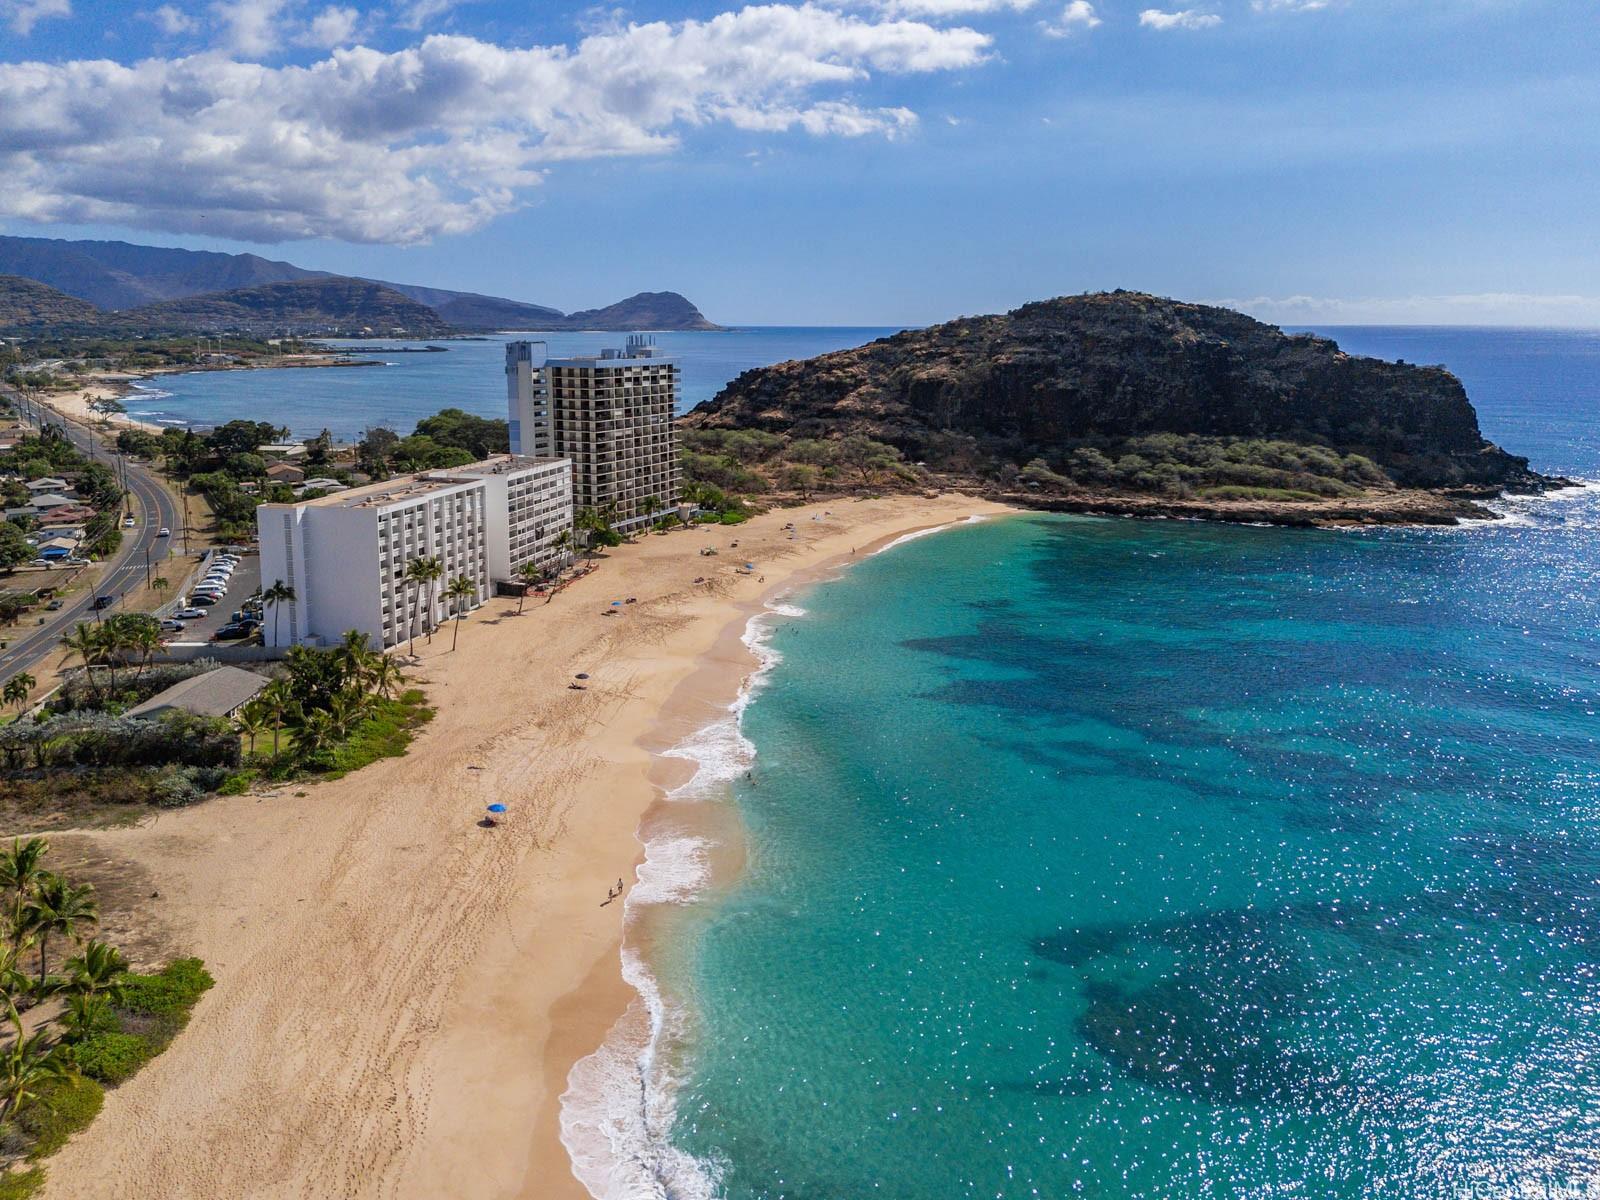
[(838, 162)]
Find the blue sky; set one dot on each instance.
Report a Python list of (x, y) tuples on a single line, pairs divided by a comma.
[(839, 161)]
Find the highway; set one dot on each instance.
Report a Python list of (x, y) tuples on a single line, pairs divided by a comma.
[(124, 573)]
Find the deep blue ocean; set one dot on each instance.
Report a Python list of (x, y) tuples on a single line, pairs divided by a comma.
[(1107, 858)]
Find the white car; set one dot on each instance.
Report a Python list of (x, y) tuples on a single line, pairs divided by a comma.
[(189, 614), (128, 522), (163, 532)]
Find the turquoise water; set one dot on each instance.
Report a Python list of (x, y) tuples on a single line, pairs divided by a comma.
[(1121, 859), (468, 374)]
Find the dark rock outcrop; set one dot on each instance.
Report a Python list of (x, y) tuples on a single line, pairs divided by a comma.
[(1096, 368)]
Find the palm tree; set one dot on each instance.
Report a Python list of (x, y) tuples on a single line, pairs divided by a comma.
[(98, 970), (26, 1065), (423, 572), (85, 1013), (13, 979), (17, 690), (563, 543), (356, 659), (344, 713), (386, 676), (461, 588), (313, 731), (85, 642), (275, 702), (160, 584), (529, 572), (279, 594), (252, 721), (20, 872), (59, 907)]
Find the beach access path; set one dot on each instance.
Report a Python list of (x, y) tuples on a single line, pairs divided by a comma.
[(401, 991)]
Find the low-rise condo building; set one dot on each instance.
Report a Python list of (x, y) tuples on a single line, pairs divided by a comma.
[(347, 556), (611, 414)]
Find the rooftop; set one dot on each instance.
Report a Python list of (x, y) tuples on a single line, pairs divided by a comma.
[(410, 487), (214, 694)]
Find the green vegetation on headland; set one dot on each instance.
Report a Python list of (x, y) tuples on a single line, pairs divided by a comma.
[(1088, 399), (76, 356), (80, 760), (78, 1018)]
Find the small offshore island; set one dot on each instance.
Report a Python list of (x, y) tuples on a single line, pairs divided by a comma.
[(1122, 402)]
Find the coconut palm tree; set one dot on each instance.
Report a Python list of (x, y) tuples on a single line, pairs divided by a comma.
[(21, 869), (461, 588), (313, 731), (59, 907), (13, 979), (26, 1065), (97, 970), (650, 506), (275, 597), (86, 643), (386, 676), (252, 721), (530, 573), (160, 584), (275, 703), (17, 690), (563, 543), (422, 573), (344, 713)]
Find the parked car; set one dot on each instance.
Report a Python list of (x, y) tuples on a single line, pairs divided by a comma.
[(231, 633), (53, 605), (172, 625), (163, 532), (189, 614), (128, 522), (203, 600)]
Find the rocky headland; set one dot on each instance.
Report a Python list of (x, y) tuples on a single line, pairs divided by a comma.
[(1130, 403)]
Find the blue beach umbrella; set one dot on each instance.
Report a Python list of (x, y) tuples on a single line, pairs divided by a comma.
[(497, 808)]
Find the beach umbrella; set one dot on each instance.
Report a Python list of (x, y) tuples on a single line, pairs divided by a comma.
[(616, 604), (497, 808), (581, 675)]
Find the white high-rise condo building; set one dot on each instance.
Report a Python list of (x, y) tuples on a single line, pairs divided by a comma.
[(346, 556), (611, 414)]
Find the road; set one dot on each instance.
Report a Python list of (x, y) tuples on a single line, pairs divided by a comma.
[(121, 575)]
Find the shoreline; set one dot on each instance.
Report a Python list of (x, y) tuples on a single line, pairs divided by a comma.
[(401, 993), (621, 1022)]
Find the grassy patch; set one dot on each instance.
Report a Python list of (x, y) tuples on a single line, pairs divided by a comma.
[(112, 1056), (154, 1008), (19, 1185), (384, 734), (61, 1110), (238, 783)]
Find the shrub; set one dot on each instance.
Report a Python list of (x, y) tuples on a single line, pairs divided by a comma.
[(237, 784), (384, 734), (113, 1056), (61, 1110), (170, 992), (19, 1185)]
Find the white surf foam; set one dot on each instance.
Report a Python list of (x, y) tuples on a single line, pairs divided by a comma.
[(620, 1104), (922, 533)]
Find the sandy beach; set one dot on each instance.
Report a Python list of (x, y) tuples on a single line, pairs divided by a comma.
[(401, 992)]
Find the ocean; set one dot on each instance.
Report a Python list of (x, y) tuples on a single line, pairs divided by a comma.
[(467, 374), (1108, 858)]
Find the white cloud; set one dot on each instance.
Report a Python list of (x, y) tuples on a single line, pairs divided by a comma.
[(942, 9), (1186, 18), (1288, 5), (1077, 17), (331, 27), (23, 15), (416, 14), (441, 138), (171, 20), (1476, 308), (249, 28)]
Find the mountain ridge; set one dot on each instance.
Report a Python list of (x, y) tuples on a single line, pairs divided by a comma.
[(118, 276)]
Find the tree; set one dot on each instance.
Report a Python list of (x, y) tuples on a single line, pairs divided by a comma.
[(274, 598), (21, 868), (86, 643), (313, 731), (252, 721), (800, 477), (275, 703), (59, 907), (867, 456), (479, 436), (97, 970), (650, 506), (17, 690), (422, 573), (26, 1065), (461, 588), (563, 544), (529, 572), (160, 584)]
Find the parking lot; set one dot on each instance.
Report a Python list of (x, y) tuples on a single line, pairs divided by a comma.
[(245, 582)]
